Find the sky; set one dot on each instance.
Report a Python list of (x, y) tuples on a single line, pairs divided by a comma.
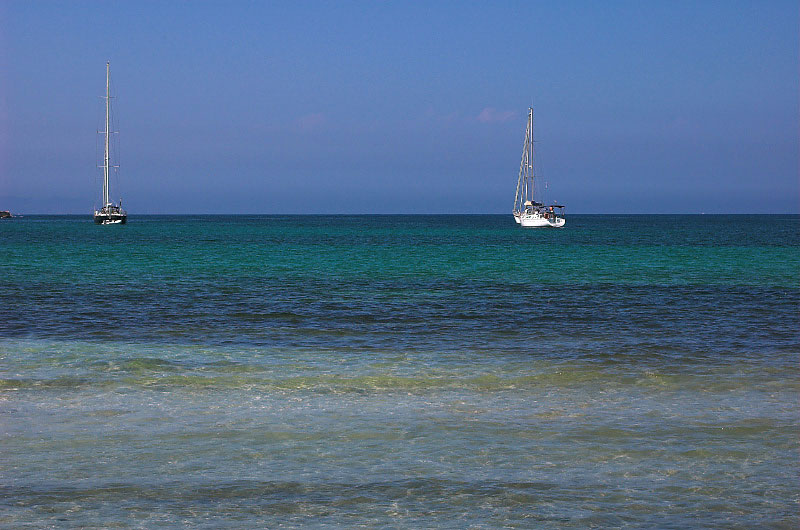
[(401, 107)]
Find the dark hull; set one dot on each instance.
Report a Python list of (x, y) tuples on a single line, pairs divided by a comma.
[(110, 218)]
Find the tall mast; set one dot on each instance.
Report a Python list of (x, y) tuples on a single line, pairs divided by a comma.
[(530, 153), (524, 170), (519, 196), (525, 183), (107, 155)]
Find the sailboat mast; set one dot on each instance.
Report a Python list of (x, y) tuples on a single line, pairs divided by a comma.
[(526, 170), (530, 153), (525, 183), (519, 196), (107, 155)]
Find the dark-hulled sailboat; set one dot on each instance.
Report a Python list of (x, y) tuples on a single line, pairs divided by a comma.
[(109, 213)]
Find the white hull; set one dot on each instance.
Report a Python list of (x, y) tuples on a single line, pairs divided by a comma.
[(537, 221), (110, 215)]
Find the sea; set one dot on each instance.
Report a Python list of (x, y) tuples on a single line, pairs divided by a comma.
[(451, 371)]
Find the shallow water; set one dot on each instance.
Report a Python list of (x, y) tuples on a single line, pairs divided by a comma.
[(406, 371)]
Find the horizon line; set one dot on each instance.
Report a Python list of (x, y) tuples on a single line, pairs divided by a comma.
[(264, 214)]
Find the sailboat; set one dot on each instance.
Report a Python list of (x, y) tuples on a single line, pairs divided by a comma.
[(527, 211), (109, 213)]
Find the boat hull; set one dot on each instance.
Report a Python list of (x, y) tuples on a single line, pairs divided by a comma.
[(526, 221), (110, 219)]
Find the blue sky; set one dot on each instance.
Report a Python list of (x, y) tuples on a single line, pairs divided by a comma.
[(402, 107)]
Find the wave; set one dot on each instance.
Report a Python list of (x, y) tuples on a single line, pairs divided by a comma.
[(233, 376)]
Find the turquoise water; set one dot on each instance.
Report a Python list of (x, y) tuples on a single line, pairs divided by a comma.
[(401, 371)]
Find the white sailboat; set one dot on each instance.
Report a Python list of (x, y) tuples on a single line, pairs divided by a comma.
[(527, 211), (109, 213)]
